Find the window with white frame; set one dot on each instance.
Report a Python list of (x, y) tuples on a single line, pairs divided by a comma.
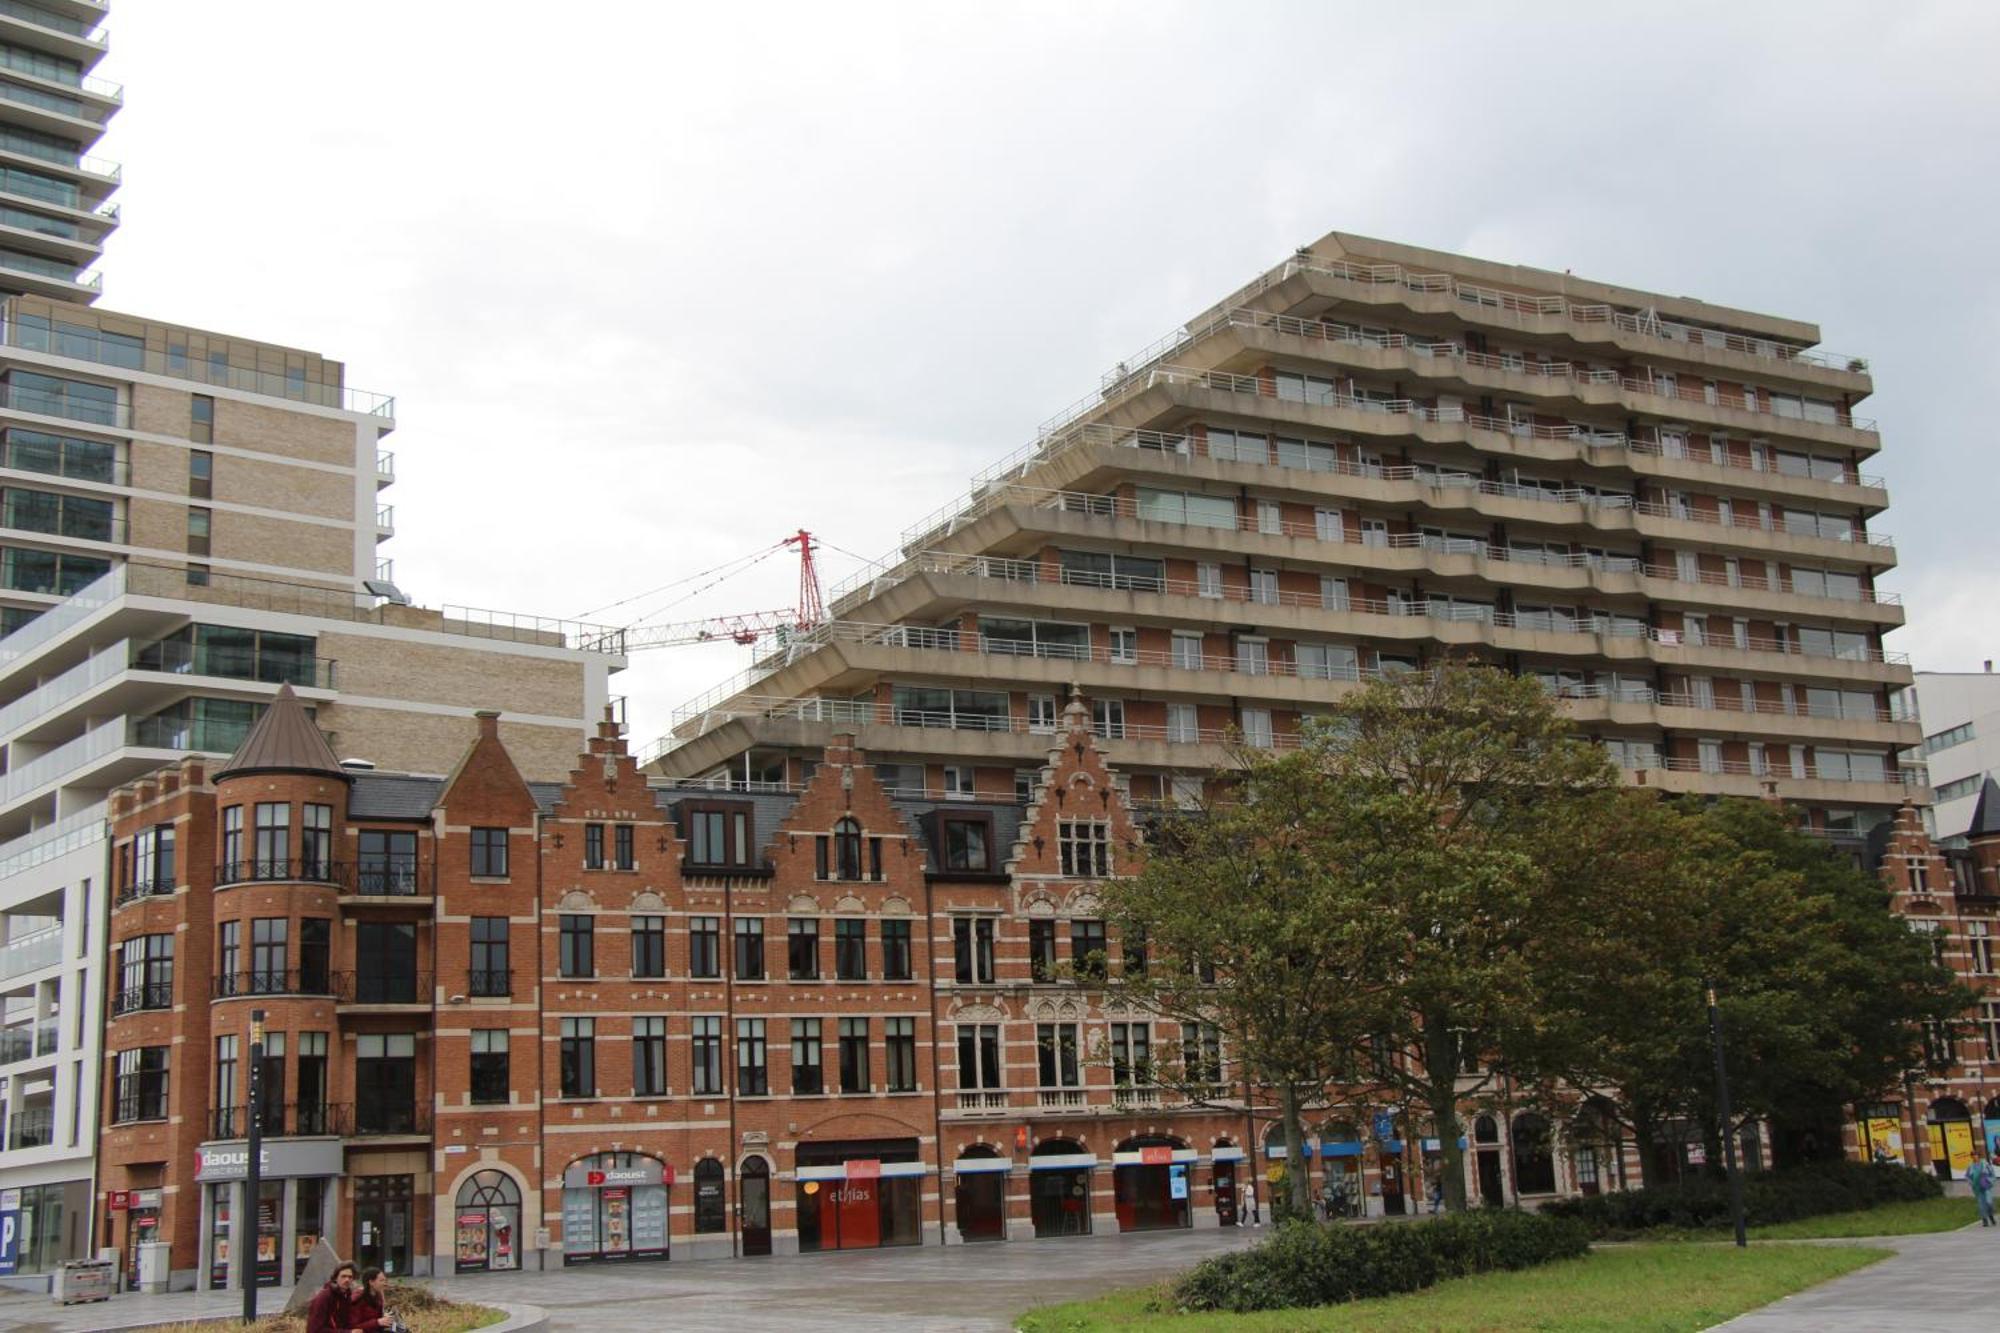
[(1084, 846), (1181, 725), (1256, 726), (1187, 650), (1124, 646), (1208, 579)]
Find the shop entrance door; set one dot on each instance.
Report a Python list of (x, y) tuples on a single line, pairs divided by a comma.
[(384, 1209), (981, 1200), (756, 1206), (1225, 1193), (1392, 1186), (1060, 1201)]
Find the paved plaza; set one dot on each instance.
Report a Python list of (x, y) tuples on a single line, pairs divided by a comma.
[(979, 1288), (1937, 1284)]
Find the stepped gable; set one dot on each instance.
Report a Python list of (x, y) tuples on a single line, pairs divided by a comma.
[(844, 784), (284, 740), (1076, 783), (486, 784), (606, 786)]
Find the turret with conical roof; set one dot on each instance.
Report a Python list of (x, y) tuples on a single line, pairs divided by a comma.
[(284, 740)]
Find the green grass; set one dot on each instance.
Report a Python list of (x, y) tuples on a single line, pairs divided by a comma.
[(1891, 1219), (1648, 1288)]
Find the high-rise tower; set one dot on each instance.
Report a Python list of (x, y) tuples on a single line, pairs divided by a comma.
[(55, 209)]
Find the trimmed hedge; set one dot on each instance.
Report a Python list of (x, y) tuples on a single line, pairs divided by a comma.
[(1768, 1197), (1309, 1263)]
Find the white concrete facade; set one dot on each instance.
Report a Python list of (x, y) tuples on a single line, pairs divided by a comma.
[(1961, 716)]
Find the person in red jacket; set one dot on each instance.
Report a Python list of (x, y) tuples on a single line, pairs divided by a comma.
[(369, 1309)]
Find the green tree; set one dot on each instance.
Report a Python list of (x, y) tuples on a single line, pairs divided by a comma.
[(1822, 991), (1249, 930), (1474, 794)]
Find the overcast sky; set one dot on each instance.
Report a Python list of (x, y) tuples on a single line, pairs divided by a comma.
[(656, 284)]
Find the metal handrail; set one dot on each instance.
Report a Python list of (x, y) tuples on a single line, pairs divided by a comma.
[(376, 988)]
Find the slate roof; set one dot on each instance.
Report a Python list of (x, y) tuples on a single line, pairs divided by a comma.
[(1986, 811), (284, 740)]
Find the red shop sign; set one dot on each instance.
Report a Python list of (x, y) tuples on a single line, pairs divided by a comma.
[(667, 1174), (116, 1199), (1156, 1156), (864, 1168), (595, 1177)]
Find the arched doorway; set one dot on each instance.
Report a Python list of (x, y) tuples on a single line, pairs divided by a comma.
[(1150, 1184), (1492, 1184), (979, 1192), (1059, 1188), (1950, 1132), (615, 1208), (487, 1223), (754, 1201), (1534, 1155)]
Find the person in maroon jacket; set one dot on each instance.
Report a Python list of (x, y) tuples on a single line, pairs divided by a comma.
[(369, 1310), (338, 1306)]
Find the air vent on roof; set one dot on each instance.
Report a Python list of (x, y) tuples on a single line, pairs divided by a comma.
[(360, 765)]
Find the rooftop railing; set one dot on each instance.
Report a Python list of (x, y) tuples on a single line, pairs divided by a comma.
[(43, 17), (87, 345), (31, 952)]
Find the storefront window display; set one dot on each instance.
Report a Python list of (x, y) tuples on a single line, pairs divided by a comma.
[(859, 1194), (615, 1208), (487, 1223)]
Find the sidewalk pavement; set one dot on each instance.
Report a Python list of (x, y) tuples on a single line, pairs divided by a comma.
[(1945, 1282)]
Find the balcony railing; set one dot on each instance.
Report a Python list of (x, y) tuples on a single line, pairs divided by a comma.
[(1427, 486), (135, 999), (489, 983), (294, 870), (281, 1120), (31, 1129), (270, 981), (30, 952), (385, 465), (991, 1101), (43, 17), (177, 658), (377, 1118), (29, 1041), (197, 735), (358, 988), (133, 890), (1056, 1098), (847, 713)]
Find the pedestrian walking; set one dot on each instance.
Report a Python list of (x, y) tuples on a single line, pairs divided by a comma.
[(1256, 1220), (1981, 1176), (1437, 1192)]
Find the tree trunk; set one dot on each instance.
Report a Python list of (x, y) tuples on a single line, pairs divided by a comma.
[(1642, 1137), (1298, 1181), (1441, 1094)]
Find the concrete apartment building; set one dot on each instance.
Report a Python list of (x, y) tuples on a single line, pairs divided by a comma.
[(189, 522), (1368, 457), (1960, 711), (514, 1024)]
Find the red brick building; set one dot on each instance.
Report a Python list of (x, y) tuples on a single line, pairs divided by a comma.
[(509, 1024)]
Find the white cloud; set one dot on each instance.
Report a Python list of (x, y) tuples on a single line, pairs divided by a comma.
[(658, 284)]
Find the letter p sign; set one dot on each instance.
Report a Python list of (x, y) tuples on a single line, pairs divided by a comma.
[(10, 1240)]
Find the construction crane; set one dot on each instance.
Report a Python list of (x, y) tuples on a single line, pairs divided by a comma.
[(745, 628)]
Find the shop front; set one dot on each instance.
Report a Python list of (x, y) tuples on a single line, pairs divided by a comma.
[(1949, 1129), (1150, 1183), (1879, 1129), (295, 1200), (1059, 1188), (1992, 1127), (1228, 1158), (142, 1224), (859, 1194), (979, 1193), (486, 1223), (614, 1209)]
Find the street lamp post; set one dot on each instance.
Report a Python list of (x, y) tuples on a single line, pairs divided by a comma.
[(1723, 1114), (253, 1174)]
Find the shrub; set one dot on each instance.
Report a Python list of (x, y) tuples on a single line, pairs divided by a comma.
[(1768, 1198), (1306, 1263)]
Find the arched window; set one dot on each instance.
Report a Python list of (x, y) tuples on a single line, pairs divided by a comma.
[(1534, 1162), (1485, 1130), (710, 1200), (488, 1189), (847, 849), (488, 1222)]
